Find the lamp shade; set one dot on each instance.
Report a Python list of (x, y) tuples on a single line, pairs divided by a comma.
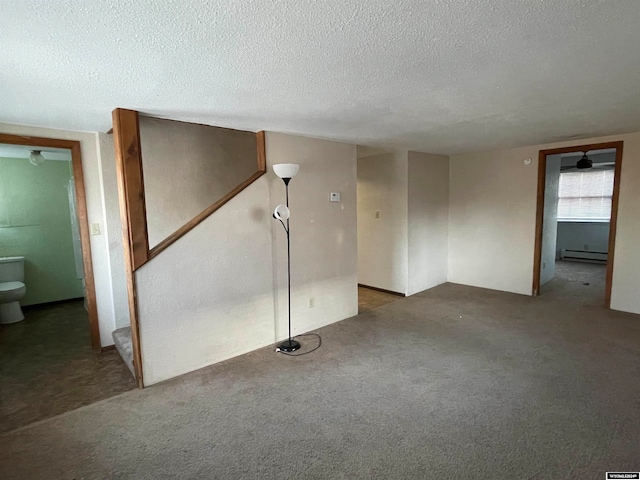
[(286, 170), (36, 158), (281, 212)]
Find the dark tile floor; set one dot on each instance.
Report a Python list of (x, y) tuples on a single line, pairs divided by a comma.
[(370, 299), (47, 366)]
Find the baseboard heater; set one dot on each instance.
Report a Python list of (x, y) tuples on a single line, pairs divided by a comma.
[(583, 256)]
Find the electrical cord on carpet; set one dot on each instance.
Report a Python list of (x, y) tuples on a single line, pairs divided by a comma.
[(305, 353)]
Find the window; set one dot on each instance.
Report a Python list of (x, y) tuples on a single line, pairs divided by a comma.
[(585, 196)]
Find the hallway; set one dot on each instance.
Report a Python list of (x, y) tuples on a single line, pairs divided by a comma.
[(369, 299)]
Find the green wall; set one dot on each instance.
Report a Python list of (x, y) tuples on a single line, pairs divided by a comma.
[(35, 222)]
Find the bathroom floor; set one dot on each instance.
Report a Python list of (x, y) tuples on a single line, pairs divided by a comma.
[(47, 366)]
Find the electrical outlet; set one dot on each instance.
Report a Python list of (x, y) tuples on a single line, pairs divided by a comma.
[(95, 229), (334, 197), (377, 214), (311, 302)]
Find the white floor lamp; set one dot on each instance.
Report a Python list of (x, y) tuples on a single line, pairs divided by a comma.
[(286, 171)]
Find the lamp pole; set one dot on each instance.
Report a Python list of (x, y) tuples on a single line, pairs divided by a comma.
[(288, 345), (286, 171)]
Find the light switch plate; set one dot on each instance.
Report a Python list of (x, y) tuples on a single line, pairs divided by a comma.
[(334, 197), (95, 229)]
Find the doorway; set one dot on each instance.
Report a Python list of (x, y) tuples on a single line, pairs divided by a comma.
[(73, 147), (577, 206), (51, 359), (382, 267)]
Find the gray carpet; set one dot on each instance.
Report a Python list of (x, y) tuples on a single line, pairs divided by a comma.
[(456, 382), (124, 346)]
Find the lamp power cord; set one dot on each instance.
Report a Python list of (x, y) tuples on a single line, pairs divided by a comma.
[(304, 353)]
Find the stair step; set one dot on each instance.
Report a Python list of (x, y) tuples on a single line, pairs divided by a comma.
[(124, 346)]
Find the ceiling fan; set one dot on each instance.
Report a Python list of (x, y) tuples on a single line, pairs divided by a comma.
[(585, 163)]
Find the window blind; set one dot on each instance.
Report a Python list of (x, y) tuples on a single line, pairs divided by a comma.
[(585, 196)]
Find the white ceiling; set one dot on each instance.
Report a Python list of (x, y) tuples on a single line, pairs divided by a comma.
[(444, 76)]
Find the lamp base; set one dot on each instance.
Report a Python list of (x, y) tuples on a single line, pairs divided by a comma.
[(289, 346)]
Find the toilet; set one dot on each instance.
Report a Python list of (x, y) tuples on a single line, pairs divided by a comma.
[(12, 289)]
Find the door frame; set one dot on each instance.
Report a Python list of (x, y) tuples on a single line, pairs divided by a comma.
[(83, 218), (542, 169)]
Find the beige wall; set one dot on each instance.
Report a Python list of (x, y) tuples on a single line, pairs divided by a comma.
[(492, 220), (492, 202), (323, 233), (428, 219), (114, 230), (203, 162), (96, 212), (626, 269), (220, 290), (382, 241)]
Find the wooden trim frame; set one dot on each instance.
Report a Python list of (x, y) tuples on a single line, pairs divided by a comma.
[(131, 185), (542, 168), (132, 214), (83, 218), (126, 130)]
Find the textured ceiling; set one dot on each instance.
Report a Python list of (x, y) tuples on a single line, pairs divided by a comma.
[(444, 76)]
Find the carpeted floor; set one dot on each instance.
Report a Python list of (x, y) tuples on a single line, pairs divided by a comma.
[(47, 366), (455, 382), (578, 282)]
